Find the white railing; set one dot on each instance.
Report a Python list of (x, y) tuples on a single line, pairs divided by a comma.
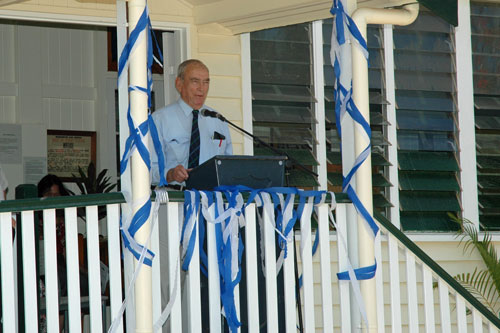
[(49, 309), (413, 293), (422, 296)]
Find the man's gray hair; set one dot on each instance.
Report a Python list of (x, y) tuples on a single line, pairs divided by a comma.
[(190, 62)]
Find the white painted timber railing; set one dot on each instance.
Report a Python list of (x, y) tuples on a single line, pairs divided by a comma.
[(34, 259), (413, 293)]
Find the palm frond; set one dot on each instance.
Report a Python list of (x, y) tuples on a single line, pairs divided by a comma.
[(484, 284), (91, 182), (80, 180), (481, 286), (485, 248), (102, 181)]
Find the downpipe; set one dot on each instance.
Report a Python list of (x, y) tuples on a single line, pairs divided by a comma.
[(362, 17)]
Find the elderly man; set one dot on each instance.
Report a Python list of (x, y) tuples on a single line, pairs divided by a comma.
[(188, 138)]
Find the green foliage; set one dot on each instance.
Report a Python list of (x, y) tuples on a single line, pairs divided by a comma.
[(483, 284), (91, 182)]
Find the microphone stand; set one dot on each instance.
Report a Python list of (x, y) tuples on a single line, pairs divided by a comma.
[(217, 115)]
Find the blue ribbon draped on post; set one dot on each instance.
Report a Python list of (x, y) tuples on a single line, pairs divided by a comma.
[(138, 134), (345, 29), (228, 219)]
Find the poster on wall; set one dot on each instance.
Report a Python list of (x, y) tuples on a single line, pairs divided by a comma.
[(10, 143), (68, 150), (34, 168)]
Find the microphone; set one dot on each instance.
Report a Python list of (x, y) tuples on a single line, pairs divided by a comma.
[(215, 114)]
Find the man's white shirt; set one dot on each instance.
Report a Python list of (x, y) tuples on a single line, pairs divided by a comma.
[(174, 130)]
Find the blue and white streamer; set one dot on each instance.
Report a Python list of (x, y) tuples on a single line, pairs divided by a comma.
[(228, 218), (137, 139), (229, 247), (161, 197), (344, 33), (351, 275)]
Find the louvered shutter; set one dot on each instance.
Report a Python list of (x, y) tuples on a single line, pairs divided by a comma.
[(485, 28), (282, 96), (426, 124)]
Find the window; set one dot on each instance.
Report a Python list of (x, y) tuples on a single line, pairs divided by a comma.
[(426, 120), (485, 18), (426, 114), (283, 98)]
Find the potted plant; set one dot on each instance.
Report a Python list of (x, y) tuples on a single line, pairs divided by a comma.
[(91, 183)]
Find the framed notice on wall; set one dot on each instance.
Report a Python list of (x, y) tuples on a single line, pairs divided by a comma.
[(68, 150)]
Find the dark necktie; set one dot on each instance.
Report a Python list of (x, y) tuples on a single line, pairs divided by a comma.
[(194, 145)]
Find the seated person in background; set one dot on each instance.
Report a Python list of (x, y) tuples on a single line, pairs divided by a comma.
[(175, 126), (52, 186)]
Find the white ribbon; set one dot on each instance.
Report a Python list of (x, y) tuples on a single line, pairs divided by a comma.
[(353, 280), (117, 319)]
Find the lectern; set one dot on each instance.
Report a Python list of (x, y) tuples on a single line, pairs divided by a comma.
[(251, 171)]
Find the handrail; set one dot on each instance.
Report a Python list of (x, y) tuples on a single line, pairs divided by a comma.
[(437, 268), (93, 199), (60, 202)]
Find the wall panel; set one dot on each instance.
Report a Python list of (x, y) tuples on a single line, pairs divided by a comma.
[(8, 86), (7, 37), (65, 53), (221, 52), (7, 109), (219, 44)]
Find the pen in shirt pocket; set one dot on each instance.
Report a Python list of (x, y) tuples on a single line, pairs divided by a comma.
[(218, 136)]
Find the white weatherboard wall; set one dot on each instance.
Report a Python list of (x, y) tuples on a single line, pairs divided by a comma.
[(221, 52), (68, 86)]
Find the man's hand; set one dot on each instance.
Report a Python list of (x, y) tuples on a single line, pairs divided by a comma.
[(178, 174)]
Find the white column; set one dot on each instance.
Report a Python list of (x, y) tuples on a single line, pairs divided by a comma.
[(319, 107), (392, 136), (125, 185), (465, 101), (140, 174), (348, 158), (121, 40), (246, 89)]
